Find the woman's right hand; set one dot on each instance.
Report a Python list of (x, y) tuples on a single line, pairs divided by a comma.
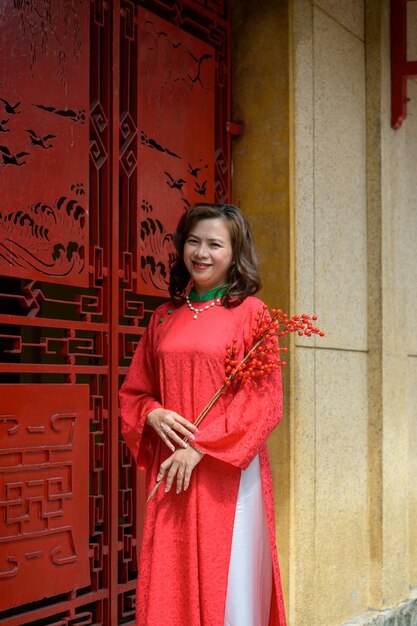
[(171, 427)]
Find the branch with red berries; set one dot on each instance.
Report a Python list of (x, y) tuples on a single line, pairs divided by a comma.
[(264, 356)]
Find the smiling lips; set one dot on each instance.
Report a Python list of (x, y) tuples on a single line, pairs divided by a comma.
[(200, 266)]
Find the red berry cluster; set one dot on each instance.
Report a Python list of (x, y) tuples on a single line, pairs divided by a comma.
[(264, 356), (301, 324)]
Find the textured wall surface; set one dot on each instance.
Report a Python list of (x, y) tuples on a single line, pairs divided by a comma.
[(403, 236), (404, 614), (354, 420), (260, 186), (392, 267), (330, 395), (331, 192)]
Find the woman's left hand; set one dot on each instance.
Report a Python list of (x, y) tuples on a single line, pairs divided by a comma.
[(180, 464)]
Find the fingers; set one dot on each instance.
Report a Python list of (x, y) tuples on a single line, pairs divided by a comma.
[(183, 475), (168, 431), (163, 469), (185, 427), (163, 432), (181, 425), (187, 477), (171, 427), (180, 479), (179, 466), (170, 465), (171, 475)]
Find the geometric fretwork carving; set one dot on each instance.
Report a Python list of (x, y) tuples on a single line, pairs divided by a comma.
[(43, 491)]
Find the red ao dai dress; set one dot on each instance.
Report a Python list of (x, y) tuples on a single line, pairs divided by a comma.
[(190, 574)]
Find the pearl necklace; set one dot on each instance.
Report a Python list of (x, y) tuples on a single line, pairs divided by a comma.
[(196, 311)]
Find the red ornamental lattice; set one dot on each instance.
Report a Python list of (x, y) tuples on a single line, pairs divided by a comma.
[(61, 332), (44, 136), (43, 493)]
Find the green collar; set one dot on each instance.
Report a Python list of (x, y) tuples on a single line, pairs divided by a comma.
[(217, 292)]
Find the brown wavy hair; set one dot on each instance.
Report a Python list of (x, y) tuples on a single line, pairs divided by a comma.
[(243, 278)]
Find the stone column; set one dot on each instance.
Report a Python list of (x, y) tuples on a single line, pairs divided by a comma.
[(260, 186)]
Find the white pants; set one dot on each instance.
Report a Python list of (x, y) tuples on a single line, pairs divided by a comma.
[(249, 586)]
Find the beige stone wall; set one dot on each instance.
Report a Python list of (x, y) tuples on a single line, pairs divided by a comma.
[(354, 413), (331, 191), (261, 187), (329, 418), (392, 200), (399, 216), (409, 158), (400, 170)]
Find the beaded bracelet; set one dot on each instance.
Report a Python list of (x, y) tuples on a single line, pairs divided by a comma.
[(195, 447)]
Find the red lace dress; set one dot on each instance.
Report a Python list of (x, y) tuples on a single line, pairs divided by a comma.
[(186, 545)]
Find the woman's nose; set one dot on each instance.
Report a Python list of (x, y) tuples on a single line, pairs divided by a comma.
[(201, 251)]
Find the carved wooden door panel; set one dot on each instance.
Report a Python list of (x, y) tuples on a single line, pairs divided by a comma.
[(112, 122)]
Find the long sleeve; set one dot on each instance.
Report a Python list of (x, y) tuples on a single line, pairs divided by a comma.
[(237, 435), (139, 395)]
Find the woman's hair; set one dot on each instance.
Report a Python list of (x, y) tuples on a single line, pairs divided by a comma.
[(243, 277)]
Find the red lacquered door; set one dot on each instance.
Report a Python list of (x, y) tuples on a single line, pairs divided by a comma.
[(112, 122)]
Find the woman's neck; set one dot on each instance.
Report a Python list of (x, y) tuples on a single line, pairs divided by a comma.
[(199, 294)]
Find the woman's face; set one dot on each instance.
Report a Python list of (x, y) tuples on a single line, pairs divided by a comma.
[(208, 254)]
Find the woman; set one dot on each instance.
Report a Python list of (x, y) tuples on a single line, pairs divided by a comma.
[(208, 553)]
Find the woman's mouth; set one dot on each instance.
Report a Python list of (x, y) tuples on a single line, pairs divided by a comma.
[(200, 266)]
